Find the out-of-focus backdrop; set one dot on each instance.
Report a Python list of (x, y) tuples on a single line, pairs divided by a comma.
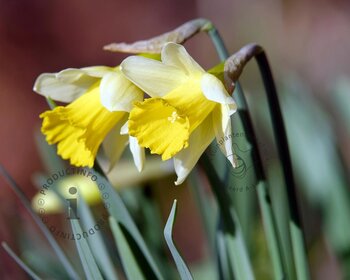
[(307, 43)]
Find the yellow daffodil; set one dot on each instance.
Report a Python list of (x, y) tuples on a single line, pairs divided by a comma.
[(187, 109), (101, 98)]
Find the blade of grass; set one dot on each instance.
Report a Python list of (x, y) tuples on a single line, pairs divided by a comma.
[(182, 268), (241, 186), (232, 231), (87, 260), (224, 265), (203, 202), (305, 120), (152, 231), (130, 264), (96, 243), (277, 234), (57, 249), (119, 212), (270, 230), (13, 255)]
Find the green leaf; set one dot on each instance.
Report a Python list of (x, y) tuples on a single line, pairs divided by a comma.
[(168, 232), (96, 243), (206, 207), (130, 264), (237, 252), (224, 266), (57, 249), (119, 212), (87, 260), (232, 231), (48, 154), (271, 231), (317, 163), (19, 261)]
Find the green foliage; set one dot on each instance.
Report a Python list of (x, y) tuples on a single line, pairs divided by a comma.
[(182, 268)]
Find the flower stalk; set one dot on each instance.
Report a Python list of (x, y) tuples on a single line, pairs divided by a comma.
[(233, 69)]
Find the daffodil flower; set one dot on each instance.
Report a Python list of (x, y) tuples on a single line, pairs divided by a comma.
[(101, 98), (188, 108)]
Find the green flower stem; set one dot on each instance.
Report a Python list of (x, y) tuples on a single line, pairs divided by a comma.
[(298, 243), (223, 55), (263, 195), (218, 42)]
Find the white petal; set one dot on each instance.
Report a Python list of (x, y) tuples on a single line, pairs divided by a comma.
[(98, 71), (214, 90), (65, 86), (118, 93), (152, 76), (223, 132), (176, 55), (70, 75), (125, 129), (138, 153), (114, 144), (199, 140)]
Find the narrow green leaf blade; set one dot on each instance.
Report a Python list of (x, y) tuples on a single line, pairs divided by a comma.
[(271, 233), (168, 234), (119, 212), (87, 260), (96, 243), (224, 266), (237, 251), (57, 249), (130, 264), (19, 261)]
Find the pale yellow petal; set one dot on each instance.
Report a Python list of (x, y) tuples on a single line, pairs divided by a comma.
[(223, 132), (137, 152), (176, 55), (200, 139), (98, 71), (118, 93), (125, 128), (214, 90), (152, 76), (65, 87), (114, 144)]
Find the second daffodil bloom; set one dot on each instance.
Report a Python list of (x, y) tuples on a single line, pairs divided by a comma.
[(187, 109), (101, 98)]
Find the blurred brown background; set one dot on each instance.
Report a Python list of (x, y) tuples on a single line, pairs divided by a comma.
[(310, 38)]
